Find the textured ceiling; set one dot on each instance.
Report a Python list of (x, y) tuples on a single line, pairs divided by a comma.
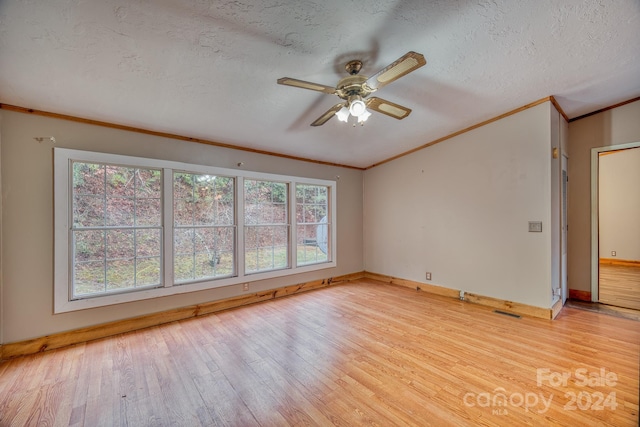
[(208, 69)]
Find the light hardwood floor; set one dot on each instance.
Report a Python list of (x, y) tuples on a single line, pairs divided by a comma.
[(361, 353), (620, 285)]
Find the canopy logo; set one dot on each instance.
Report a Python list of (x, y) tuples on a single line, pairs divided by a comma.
[(499, 401)]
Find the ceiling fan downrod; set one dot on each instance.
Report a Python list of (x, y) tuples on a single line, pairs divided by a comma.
[(353, 67)]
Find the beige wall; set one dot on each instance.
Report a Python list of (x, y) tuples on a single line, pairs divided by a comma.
[(27, 218), (1, 258), (619, 204), (613, 127), (460, 210)]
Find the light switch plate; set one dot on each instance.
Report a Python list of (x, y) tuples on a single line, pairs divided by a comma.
[(535, 226)]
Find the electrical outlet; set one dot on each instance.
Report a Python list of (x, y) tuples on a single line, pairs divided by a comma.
[(245, 286), (613, 253), (428, 276)]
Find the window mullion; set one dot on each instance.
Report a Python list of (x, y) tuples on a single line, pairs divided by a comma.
[(193, 225), (106, 222), (135, 231), (167, 227), (331, 224), (70, 228), (240, 250), (293, 229)]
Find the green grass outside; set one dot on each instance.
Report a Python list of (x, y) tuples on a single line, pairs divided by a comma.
[(124, 275)]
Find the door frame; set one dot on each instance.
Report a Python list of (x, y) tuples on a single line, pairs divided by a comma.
[(595, 236), (564, 227)]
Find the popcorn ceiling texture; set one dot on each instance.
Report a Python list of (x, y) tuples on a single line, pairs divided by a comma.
[(208, 69)]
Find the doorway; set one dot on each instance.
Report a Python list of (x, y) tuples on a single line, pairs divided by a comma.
[(615, 225)]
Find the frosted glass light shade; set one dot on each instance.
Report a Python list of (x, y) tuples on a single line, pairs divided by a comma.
[(343, 114), (363, 116), (357, 107)]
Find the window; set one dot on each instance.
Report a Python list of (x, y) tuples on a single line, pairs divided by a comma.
[(266, 226), (116, 231), (204, 226), (312, 209), (130, 228)]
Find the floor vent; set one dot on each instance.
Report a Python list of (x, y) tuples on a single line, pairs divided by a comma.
[(507, 314)]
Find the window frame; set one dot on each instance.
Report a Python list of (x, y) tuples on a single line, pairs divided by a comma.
[(63, 212)]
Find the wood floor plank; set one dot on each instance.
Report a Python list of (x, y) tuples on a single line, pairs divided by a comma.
[(225, 406), (620, 285), (284, 378), (363, 353), (255, 395)]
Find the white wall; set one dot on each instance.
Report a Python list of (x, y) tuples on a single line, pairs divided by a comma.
[(460, 209), (619, 204), (27, 218), (612, 127)]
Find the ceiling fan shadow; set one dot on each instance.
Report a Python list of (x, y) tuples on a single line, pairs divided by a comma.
[(368, 58), (311, 113), (213, 17), (420, 14), (444, 99)]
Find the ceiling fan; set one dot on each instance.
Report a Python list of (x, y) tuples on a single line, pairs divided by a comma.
[(355, 89)]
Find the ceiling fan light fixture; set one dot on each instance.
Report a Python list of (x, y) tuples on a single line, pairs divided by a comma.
[(343, 114), (356, 106), (364, 116)]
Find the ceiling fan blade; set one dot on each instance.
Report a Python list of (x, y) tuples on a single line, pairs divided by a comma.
[(306, 85), (387, 107), (404, 65), (327, 115)]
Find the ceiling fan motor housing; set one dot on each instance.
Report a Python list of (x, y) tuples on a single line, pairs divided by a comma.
[(353, 85)]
